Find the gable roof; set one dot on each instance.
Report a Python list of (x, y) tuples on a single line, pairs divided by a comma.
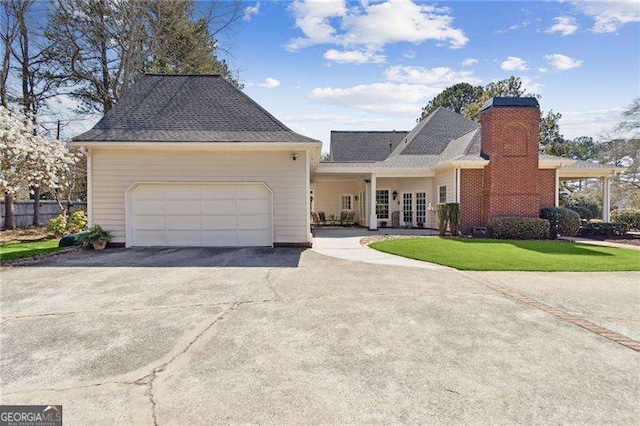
[(188, 108), (432, 135), (363, 145)]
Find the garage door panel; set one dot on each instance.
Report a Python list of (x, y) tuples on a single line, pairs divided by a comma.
[(149, 238), (219, 192), (221, 238), (183, 222), (253, 206), (213, 222), (216, 214), (183, 207), (219, 206), (246, 222), (148, 207), (182, 192), (253, 238), (183, 237), (149, 222)]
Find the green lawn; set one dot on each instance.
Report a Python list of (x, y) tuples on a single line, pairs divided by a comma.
[(11, 251), (512, 255)]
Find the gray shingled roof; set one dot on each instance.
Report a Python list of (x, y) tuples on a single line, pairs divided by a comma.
[(188, 108), (432, 135), (363, 145)]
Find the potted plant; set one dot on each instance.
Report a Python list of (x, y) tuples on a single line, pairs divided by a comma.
[(96, 237), (420, 224), (383, 224)]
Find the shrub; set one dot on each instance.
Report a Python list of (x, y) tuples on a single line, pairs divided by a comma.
[(453, 215), (443, 219), (94, 234), (77, 222), (604, 229), (586, 208), (629, 216), (519, 228), (562, 221), (58, 225)]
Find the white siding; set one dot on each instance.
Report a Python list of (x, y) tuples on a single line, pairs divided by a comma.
[(327, 195), (448, 179), (114, 170)]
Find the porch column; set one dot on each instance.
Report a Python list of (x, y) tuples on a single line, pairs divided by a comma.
[(373, 217), (606, 199)]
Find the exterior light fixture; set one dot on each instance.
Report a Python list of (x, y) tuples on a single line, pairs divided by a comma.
[(367, 181), (293, 156), (395, 194)]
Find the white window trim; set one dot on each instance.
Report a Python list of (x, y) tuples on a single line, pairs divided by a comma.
[(388, 204), (445, 193), (350, 202)]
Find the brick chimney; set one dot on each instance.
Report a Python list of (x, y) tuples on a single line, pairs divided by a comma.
[(510, 137)]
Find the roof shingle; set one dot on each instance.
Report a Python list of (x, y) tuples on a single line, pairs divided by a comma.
[(186, 108), (364, 145)]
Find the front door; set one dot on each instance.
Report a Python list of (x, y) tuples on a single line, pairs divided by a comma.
[(407, 208)]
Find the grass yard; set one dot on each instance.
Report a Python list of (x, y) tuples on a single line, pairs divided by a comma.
[(513, 255), (18, 250)]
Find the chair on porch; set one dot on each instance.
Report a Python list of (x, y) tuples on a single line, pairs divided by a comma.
[(322, 219), (395, 220), (315, 219), (343, 217), (347, 218)]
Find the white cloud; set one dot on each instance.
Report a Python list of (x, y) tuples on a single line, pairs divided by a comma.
[(251, 11), (514, 27), (590, 122), (354, 56), (377, 98), (513, 63), (372, 25), (531, 86), (268, 83), (410, 54), (469, 62), (562, 62), (564, 25), (609, 16), (438, 76), (312, 17)]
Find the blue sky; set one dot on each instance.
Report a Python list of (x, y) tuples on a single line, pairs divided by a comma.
[(319, 66)]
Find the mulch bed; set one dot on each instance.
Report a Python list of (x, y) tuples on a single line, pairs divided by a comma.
[(23, 235)]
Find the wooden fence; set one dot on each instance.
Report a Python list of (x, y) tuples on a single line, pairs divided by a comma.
[(23, 211)]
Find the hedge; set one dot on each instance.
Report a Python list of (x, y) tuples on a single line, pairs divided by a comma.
[(562, 221), (519, 228), (604, 229), (631, 217)]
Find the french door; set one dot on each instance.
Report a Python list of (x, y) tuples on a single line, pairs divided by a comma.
[(414, 208)]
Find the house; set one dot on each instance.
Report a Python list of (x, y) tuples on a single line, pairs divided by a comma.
[(492, 168), (190, 160)]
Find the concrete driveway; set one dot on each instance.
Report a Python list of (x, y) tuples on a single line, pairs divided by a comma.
[(201, 336)]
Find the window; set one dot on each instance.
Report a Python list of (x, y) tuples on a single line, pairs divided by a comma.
[(421, 207), (382, 203), (346, 202), (442, 194)]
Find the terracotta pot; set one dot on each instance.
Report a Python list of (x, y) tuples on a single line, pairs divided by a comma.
[(99, 245)]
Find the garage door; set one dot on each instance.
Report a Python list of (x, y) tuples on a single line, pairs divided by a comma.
[(203, 214)]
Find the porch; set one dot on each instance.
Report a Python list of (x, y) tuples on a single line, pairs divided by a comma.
[(400, 201)]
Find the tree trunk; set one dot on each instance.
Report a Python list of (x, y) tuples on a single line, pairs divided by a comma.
[(8, 212), (36, 206)]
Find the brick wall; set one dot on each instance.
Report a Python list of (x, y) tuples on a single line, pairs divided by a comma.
[(547, 187), (471, 199)]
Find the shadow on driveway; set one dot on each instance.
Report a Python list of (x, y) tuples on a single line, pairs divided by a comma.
[(158, 257)]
